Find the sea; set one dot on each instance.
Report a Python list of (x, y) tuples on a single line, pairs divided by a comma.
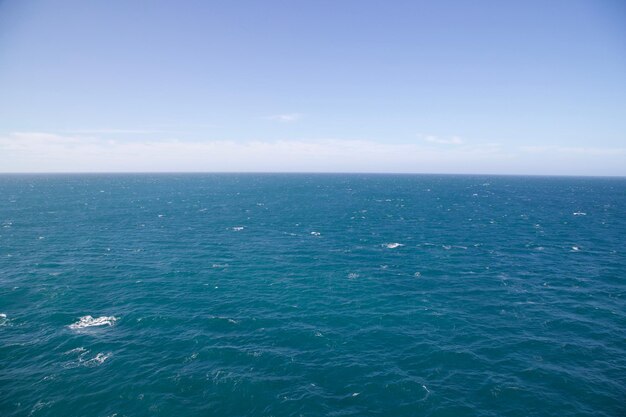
[(312, 295)]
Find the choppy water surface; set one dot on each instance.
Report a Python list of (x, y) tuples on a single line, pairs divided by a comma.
[(313, 295)]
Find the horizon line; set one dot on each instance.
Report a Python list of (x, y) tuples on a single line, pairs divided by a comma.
[(302, 173)]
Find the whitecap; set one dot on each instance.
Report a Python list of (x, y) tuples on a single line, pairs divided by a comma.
[(3, 319), (393, 245), (39, 405), (76, 350), (417, 274), (83, 359), (353, 275), (579, 213), (316, 233), (238, 228), (89, 321), (575, 248), (97, 360)]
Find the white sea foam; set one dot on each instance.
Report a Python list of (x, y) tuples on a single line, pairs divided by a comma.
[(83, 359), (393, 245), (238, 228), (353, 275), (315, 233), (575, 248), (3, 319), (40, 405), (98, 359), (76, 350), (579, 213), (417, 274), (228, 319), (89, 321)]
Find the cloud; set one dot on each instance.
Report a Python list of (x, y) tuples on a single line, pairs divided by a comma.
[(574, 150), (45, 152), (286, 118), (114, 131), (454, 140)]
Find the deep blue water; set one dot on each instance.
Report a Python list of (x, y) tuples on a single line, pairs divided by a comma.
[(312, 295)]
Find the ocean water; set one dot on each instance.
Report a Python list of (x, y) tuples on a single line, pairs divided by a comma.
[(312, 295)]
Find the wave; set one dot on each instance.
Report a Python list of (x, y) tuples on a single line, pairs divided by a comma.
[(392, 245), (97, 360), (83, 360), (89, 321)]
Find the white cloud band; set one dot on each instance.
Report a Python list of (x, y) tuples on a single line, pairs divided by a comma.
[(42, 152)]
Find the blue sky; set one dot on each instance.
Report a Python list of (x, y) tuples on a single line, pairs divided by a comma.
[(526, 87)]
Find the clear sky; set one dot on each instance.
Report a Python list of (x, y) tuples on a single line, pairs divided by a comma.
[(500, 87)]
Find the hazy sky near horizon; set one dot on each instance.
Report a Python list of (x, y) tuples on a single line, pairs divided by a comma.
[(499, 87)]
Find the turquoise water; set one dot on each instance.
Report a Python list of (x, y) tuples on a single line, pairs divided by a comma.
[(312, 295)]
